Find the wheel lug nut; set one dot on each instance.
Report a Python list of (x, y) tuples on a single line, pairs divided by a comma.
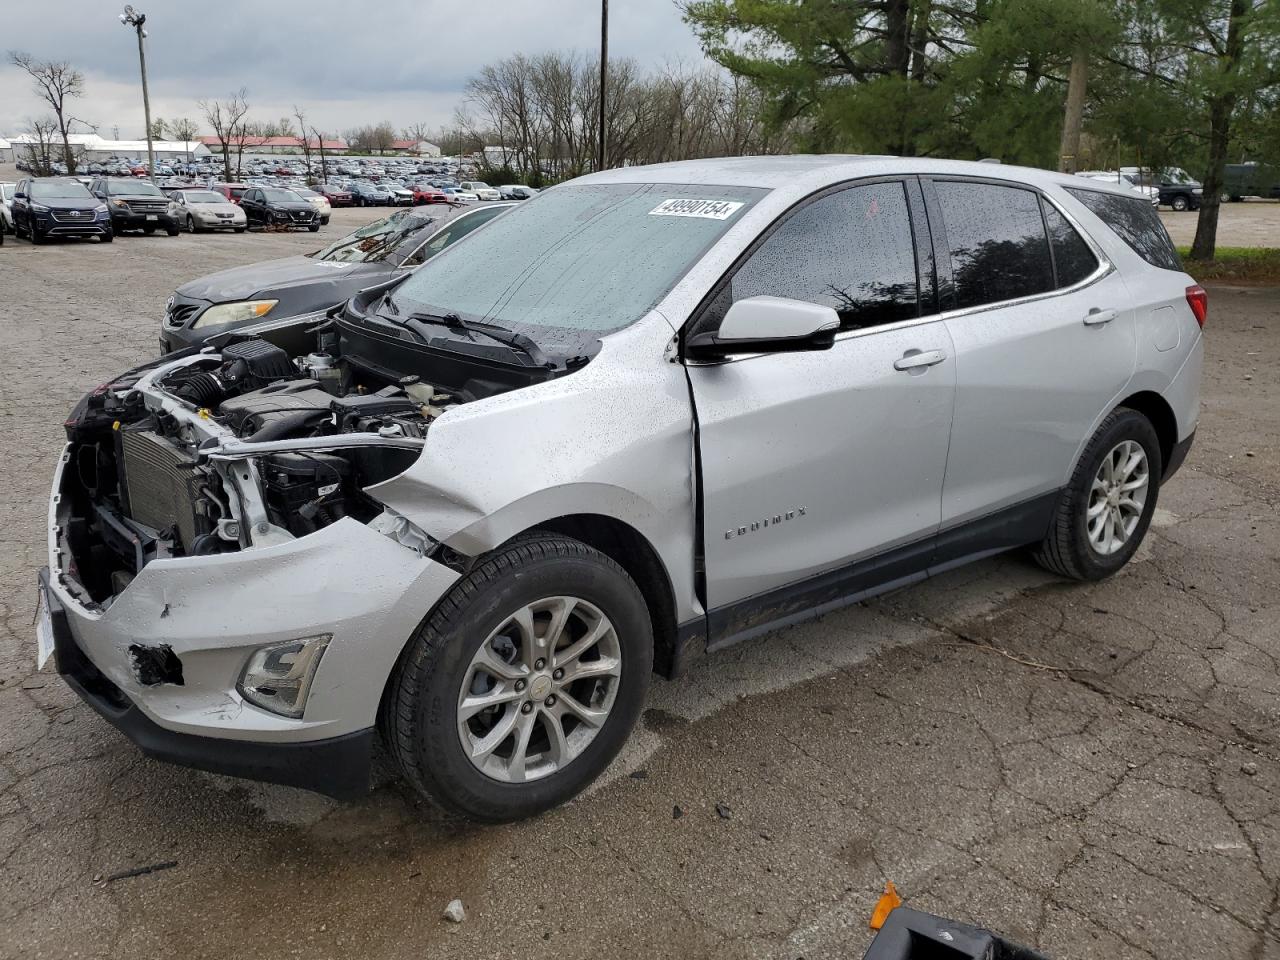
[(520, 685), (551, 700), (558, 675), (539, 664), (527, 707)]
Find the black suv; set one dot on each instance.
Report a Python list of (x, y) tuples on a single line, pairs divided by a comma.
[(1180, 190), (135, 205), (58, 207), (278, 207)]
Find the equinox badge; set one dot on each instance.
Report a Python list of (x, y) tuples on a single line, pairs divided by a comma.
[(773, 521)]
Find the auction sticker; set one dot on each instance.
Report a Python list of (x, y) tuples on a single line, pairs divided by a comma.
[(706, 209)]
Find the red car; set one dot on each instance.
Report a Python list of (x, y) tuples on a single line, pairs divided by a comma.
[(336, 196), (422, 193), (232, 191)]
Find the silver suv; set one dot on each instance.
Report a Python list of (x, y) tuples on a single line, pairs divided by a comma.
[(643, 415)]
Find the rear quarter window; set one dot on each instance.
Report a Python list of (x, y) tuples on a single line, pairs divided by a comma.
[(1135, 221)]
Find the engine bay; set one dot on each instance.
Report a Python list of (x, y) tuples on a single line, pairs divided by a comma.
[(224, 450)]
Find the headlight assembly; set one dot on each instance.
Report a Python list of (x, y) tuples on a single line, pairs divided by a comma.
[(234, 312)]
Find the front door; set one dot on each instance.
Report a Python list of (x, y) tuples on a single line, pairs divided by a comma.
[(813, 461)]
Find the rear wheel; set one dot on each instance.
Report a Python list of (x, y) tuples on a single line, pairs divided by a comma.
[(523, 683), (1179, 203), (1105, 510)]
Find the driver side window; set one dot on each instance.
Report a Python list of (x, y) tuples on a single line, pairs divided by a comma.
[(851, 251)]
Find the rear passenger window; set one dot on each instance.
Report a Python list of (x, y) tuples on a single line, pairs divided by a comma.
[(1136, 222), (851, 251), (999, 250), (1072, 258)]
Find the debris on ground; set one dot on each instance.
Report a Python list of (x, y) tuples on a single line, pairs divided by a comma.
[(142, 871), (723, 811), (888, 902), (1249, 769), (676, 812), (639, 774), (455, 912)]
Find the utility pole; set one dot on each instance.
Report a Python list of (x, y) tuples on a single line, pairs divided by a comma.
[(601, 155), (132, 18)]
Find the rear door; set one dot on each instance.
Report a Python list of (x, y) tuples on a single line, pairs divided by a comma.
[(813, 461), (1044, 345)]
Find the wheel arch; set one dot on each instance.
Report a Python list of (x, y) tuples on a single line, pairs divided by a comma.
[(1157, 410), (631, 550)]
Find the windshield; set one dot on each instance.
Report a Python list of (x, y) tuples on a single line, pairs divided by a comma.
[(1178, 175), (280, 196), (203, 196), (60, 190), (141, 188), (373, 242), (590, 258), (6, 190)]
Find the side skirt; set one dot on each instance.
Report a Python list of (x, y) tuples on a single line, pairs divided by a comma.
[(1007, 529)]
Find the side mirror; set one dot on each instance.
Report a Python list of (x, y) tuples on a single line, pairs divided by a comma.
[(767, 325)]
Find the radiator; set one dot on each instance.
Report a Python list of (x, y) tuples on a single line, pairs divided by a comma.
[(159, 484)]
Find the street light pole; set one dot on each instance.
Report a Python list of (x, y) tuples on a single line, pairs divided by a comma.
[(604, 78), (133, 18)]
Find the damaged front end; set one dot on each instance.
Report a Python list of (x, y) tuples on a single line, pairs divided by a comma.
[(225, 451)]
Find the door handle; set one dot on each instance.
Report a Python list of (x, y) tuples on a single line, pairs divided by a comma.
[(915, 360), (1096, 317)]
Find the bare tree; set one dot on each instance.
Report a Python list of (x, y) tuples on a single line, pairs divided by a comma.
[(159, 127), (304, 137), (57, 82), (416, 133), (39, 148), (186, 130), (227, 118)]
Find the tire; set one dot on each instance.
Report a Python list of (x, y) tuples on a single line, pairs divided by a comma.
[(171, 231), (191, 224), (149, 230), (107, 237), (314, 228), (239, 229), (34, 235), (324, 221), (1068, 549), (420, 713), (1179, 203)]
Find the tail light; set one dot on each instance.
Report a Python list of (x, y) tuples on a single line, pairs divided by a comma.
[(1198, 301)]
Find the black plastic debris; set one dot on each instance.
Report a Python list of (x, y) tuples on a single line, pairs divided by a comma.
[(154, 665), (911, 935)]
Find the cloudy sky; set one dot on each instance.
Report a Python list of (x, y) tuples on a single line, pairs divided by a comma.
[(346, 62)]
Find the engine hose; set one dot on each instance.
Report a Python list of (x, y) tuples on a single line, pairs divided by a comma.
[(283, 425)]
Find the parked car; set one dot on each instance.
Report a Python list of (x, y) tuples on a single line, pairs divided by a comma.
[(277, 207), (1180, 190), (367, 194), (657, 411), (481, 190), (232, 191), (1150, 193), (6, 205), (456, 195), (1251, 179), (198, 210), (336, 195), (135, 205), (401, 196), (425, 193), (516, 191), (50, 207), (318, 201), (295, 291)]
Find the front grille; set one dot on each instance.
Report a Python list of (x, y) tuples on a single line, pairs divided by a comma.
[(160, 484), (148, 206), (73, 216), (180, 313), (302, 216)]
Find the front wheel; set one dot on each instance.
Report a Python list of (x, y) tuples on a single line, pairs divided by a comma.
[(1105, 510), (1179, 203), (239, 229), (524, 682), (107, 237), (314, 228)]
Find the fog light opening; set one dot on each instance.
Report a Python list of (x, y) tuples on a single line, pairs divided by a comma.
[(278, 677)]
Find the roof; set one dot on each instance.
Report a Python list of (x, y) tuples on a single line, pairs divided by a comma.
[(91, 141), (253, 141), (804, 173)]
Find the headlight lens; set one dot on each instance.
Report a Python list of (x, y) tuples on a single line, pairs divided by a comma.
[(39, 208), (234, 312), (120, 203), (1197, 189), (100, 208), (278, 678)]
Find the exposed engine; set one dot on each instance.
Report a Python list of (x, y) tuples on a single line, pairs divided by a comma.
[(220, 451)]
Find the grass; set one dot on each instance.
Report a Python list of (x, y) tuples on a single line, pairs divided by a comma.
[(1259, 265)]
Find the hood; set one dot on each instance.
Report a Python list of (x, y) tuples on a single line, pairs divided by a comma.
[(300, 205), (227, 207), (289, 275), (69, 203)]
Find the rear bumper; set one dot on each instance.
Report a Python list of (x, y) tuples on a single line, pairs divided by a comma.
[(337, 767)]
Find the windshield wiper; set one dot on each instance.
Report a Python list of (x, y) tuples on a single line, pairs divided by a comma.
[(452, 321)]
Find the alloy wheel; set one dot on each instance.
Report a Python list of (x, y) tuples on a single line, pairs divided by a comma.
[(539, 689), (1118, 497)]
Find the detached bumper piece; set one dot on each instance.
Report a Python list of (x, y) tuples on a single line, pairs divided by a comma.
[(338, 767), (911, 935)]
